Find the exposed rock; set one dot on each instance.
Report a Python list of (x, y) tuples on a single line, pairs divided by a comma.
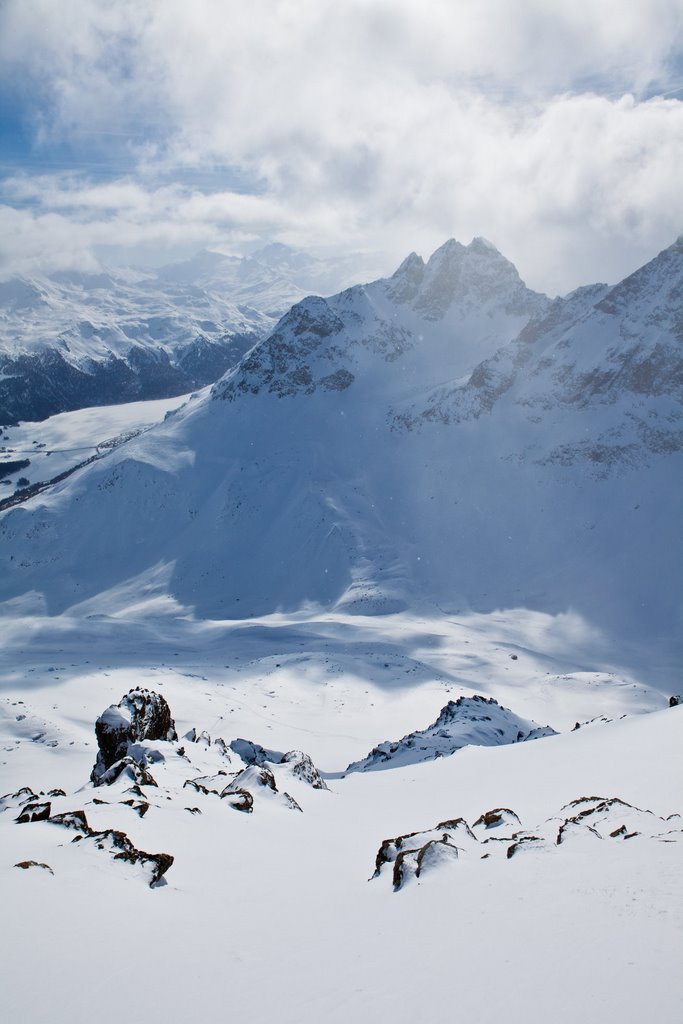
[(254, 775), (207, 783), (119, 845), (139, 806), (477, 720), (445, 831), (606, 818), (499, 817), (129, 768), (303, 768), (434, 853), (257, 778), (413, 863), (17, 799), (71, 819), (35, 812), (221, 745), (254, 753), (291, 802), (239, 799), (140, 715), (25, 864), (593, 818), (520, 841)]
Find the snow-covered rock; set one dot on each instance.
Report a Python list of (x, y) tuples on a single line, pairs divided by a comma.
[(121, 729), (468, 720), (500, 833)]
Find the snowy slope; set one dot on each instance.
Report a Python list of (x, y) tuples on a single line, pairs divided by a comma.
[(59, 444), (297, 482), (285, 895)]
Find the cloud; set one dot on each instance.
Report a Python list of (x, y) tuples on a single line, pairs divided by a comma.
[(367, 123)]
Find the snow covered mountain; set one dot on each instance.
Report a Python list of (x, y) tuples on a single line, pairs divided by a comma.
[(437, 491), (74, 339), (416, 439)]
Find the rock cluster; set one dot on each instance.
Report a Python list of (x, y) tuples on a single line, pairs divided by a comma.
[(499, 832), (137, 732)]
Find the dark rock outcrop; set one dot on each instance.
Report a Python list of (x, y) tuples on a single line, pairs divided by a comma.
[(119, 845), (239, 799), (129, 767), (71, 819), (35, 812), (140, 715)]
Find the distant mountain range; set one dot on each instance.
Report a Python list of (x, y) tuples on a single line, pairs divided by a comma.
[(72, 339)]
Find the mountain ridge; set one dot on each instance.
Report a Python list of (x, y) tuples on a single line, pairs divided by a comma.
[(294, 483)]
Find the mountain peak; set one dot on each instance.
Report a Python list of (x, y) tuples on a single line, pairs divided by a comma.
[(471, 277), (483, 247), (448, 252), (410, 264), (406, 281)]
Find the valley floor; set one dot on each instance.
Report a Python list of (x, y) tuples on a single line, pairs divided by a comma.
[(272, 915)]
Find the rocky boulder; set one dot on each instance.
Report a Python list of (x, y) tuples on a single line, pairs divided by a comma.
[(140, 715)]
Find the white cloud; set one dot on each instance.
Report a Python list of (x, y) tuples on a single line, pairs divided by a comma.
[(360, 123)]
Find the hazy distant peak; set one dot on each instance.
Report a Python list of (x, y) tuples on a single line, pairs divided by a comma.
[(406, 281), (481, 245), (475, 276), (410, 265), (277, 250), (449, 251)]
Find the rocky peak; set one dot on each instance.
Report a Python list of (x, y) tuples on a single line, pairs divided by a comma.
[(652, 294), (405, 283), (473, 277)]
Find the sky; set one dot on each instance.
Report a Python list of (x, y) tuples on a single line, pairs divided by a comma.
[(143, 131)]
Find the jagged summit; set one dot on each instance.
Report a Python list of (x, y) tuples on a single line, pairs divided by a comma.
[(471, 276), (450, 312)]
